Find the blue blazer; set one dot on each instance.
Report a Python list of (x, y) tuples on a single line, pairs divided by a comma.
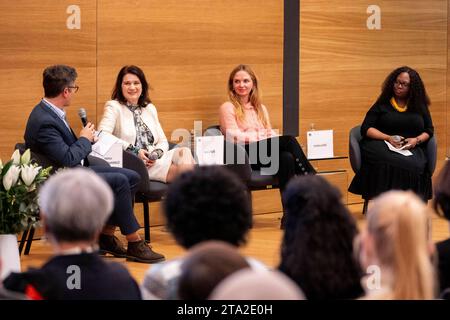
[(47, 134)]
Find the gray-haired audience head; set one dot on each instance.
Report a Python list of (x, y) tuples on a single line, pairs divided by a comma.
[(75, 204), (248, 284)]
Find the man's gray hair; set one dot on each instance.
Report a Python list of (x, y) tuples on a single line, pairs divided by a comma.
[(75, 204)]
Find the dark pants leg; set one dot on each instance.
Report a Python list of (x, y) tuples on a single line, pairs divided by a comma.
[(123, 183), (302, 165), (285, 152), (286, 170)]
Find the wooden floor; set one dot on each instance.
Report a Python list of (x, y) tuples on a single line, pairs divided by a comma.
[(263, 242)]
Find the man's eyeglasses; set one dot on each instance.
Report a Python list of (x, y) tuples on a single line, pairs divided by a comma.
[(403, 84), (74, 87)]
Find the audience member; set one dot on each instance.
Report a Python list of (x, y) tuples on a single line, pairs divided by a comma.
[(206, 264), (75, 205), (317, 247), (441, 204), (395, 249), (208, 203), (131, 117), (248, 284), (48, 132)]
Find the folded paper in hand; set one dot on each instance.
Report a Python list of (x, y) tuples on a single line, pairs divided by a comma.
[(401, 150), (108, 148)]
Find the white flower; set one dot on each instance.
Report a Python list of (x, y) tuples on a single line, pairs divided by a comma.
[(28, 173), (1, 164), (25, 159), (16, 157), (11, 176)]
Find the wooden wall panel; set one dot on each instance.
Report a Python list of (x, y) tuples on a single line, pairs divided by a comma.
[(187, 50), (342, 63), (33, 35)]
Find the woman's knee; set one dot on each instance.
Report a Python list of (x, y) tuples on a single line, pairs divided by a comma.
[(287, 158)]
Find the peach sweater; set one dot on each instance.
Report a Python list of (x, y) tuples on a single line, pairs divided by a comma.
[(249, 130)]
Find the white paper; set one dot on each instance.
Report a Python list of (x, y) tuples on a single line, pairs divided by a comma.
[(109, 148), (104, 143), (320, 144), (114, 156), (209, 150), (401, 150)]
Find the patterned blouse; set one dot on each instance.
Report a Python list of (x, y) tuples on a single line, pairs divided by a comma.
[(144, 136)]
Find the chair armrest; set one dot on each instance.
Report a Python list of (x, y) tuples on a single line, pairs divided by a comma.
[(354, 149), (431, 150), (96, 161), (133, 162)]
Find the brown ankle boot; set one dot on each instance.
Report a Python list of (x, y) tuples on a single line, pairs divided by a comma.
[(112, 245), (140, 251)]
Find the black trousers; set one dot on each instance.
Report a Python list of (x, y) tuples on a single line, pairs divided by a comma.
[(280, 155), (124, 183)]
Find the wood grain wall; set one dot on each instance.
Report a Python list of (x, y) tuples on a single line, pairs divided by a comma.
[(187, 49), (33, 35), (343, 63)]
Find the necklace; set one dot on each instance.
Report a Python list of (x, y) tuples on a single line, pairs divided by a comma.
[(397, 107)]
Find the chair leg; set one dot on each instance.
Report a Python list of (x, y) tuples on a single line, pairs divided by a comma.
[(30, 239), (146, 221), (249, 194), (22, 240), (366, 203)]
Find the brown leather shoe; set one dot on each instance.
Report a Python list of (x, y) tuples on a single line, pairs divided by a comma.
[(140, 251), (112, 245)]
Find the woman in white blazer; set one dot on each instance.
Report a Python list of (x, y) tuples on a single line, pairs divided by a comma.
[(132, 118)]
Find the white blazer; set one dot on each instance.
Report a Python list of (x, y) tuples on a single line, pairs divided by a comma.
[(118, 120)]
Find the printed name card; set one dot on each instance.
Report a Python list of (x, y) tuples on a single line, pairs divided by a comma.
[(320, 144)]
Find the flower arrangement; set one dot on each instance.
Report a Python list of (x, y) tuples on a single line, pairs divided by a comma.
[(19, 182)]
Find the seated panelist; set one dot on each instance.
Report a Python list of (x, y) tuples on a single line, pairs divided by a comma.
[(401, 117), (244, 119), (131, 117), (48, 132)]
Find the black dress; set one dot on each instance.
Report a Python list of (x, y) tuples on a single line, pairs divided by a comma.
[(382, 169)]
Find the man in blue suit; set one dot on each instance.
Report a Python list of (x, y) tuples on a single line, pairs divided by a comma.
[(48, 133)]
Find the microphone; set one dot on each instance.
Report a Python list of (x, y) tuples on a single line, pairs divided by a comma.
[(156, 154), (83, 116)]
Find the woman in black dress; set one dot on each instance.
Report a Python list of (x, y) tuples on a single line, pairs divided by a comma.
[(401, 110)]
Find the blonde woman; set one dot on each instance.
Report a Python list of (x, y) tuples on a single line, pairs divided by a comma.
[(131, 117), (244, 119), (396, 249)]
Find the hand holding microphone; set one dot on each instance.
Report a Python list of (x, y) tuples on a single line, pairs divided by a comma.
[(396, 141), (88, 130), (150, 158)]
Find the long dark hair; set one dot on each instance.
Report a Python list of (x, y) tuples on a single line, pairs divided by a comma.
[(317, 247), (418, 100), (117, 93), (441, 201)]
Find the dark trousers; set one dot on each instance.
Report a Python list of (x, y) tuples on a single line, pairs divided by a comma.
[(282, 153), (124, 183)]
